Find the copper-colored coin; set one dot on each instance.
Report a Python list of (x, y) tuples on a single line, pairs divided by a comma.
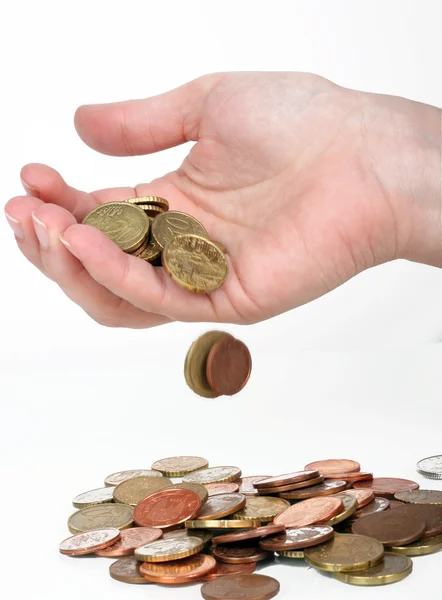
[(242, 536), (310, 512), (431, 514), (420, 496), (244, 587), (358, 476), (239, 554), (215, 489), (375, 506), (200, 490), (363, 497), (131, 539), (294, 539), (136, 489), (167, 508), (126, 570), (228, 366), (331, 466), (310, 483), (287, 479), (195, 364), (178, 571), (323, 489), (89, 542), (387, 486), (223, 569), (391, 527), (246, 484), (220, 506)]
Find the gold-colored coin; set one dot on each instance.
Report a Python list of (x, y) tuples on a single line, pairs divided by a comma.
[(261, 508), (142, 248), (199, 490), (101, 516), (116, 478), (151, 210), (206, 536), (292, 554), (424, 546), (195, 364), (220, 246), (194, 263), (172, 223), (125, 224), (178, 466), (223, 524), (346, 553), (172, 548), (156, 200), (350, 507), (134, 490), (213, 475), (150, 253), (393, 568)]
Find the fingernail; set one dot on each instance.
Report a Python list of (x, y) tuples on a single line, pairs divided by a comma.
[(16, 226), (67, 245), (41, 231), (31, 191)]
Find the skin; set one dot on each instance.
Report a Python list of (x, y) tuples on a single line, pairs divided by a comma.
[(306, 184)]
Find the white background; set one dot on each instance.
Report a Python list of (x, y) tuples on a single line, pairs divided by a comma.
[(352, 374)]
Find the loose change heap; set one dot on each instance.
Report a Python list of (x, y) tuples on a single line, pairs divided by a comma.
[(144, 227), (215, 526)]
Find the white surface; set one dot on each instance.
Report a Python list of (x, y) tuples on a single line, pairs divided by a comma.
[(78, 401)]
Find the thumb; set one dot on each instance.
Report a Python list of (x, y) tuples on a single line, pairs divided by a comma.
[(144, 126)]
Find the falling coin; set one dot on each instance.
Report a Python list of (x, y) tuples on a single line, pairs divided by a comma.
[(228, 366)]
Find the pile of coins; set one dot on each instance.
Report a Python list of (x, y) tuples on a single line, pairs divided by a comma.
[(217, 364), (216, 526), (144, 227)]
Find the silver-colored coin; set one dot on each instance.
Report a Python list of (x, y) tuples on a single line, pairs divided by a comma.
[(430, 467), (117, 478), (172, 548), (92, 497)]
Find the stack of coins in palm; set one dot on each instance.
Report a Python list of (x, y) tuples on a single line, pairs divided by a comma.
[(218, 527), (217, 364), (144, 227)]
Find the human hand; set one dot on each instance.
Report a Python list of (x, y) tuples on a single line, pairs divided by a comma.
[(304, 182)]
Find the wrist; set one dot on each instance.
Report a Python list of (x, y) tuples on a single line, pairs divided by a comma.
[(407, 163)]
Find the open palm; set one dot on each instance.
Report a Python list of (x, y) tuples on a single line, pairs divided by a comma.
[(278, 175)]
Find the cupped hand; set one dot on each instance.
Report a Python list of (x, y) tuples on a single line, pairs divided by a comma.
[(290, 172)]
